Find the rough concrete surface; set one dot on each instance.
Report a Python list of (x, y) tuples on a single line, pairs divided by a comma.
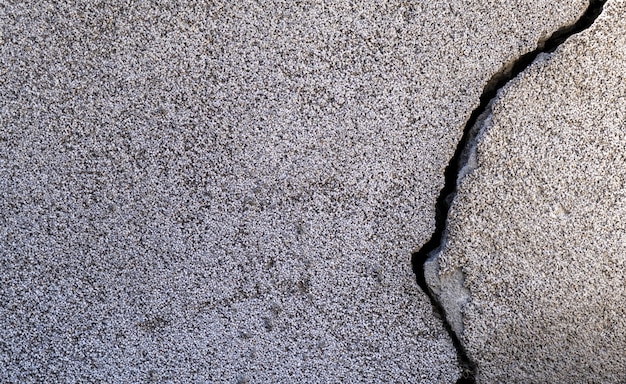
[(230, 191), (537, 230)]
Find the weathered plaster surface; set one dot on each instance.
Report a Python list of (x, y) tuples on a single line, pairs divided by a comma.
[(206, 191)]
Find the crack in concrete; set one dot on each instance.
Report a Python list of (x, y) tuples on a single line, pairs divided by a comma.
[(461, 163)]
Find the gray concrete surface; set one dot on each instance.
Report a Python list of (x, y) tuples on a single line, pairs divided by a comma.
[(230, 191), (536, 249)]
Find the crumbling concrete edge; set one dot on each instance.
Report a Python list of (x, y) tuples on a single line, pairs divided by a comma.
[(448, 293)]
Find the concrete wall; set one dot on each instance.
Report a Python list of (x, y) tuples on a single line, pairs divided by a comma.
[(231, 191)]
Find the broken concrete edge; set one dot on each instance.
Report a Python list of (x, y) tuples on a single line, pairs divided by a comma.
[(451, 291), (447, 291)]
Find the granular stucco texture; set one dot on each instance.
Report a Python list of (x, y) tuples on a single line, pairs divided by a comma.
[(230, 191), (536, 249)]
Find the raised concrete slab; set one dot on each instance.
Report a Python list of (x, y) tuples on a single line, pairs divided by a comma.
[(536, 250), (207, 191)]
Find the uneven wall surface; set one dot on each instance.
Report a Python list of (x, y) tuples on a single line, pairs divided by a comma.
[(230, 191), (537, 229)]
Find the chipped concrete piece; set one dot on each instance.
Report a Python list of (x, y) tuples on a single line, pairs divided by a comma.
[(230, 191), (538, 228)]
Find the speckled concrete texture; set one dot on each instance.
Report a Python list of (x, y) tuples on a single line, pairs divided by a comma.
[(230, 191), (538, 229)]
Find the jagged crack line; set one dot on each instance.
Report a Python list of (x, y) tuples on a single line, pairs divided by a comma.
[(460, 158)]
